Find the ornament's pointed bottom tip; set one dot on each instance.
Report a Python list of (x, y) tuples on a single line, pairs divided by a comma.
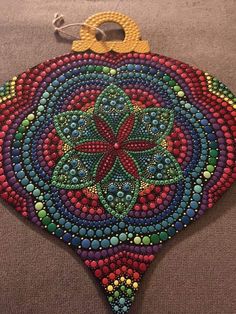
[(121, 300)]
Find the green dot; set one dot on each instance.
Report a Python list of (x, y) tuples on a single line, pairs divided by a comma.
[(42, 213), (163, 236), (106, 70), (122, 288), (52, 227), (137, 240), (39, 205), (116, 294), (172, 83), (19, 136), (21, 129), (166, 78), (212, 161), (176, 88), (213, 153), (90, 68), (129, 291), (155, 238), (46, 220), (25, 122), (98, 68), (146, 240), (210, 168)]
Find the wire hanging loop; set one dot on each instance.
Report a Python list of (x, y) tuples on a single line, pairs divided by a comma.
[(131, 42), (59, 19)]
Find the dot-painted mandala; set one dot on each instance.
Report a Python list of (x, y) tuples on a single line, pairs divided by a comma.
[(114, 154)]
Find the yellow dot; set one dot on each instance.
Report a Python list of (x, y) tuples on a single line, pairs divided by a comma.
[(207, 174), (122, 279), (137, 240), (135, 285), (128, 281), (112, 71), (31, 117), (110, 288), (39, 205), (116, 282), (180, 93)]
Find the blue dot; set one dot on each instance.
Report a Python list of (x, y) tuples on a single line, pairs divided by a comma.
[(190, 212), (85, 243)]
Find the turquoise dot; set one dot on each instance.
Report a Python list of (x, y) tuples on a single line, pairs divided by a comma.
[(114, 241), (122, 236), (30, 187), (95, 244)]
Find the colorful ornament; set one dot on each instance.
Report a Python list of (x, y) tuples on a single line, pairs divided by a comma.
[(114, 153)]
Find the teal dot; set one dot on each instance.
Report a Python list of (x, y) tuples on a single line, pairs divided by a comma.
[(30, 187), (114, 241), (122, 236)]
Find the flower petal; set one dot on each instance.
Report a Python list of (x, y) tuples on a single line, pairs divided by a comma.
[(118, 193), (104, 129), (152, 124), (105, 165), (138, 145), (158, 167), (93, 147), (74, 171), (76, 127), (128, 163), (126, 128), (113, 105)]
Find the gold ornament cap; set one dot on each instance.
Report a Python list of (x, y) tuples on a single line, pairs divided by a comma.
[(131, 42)]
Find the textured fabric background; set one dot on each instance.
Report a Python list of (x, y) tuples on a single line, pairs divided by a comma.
[(195, 271)]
